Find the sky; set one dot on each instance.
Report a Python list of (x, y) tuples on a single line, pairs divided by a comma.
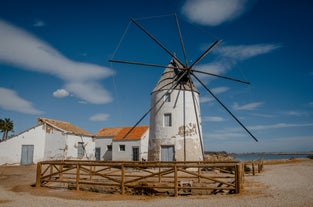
[(54, 63)]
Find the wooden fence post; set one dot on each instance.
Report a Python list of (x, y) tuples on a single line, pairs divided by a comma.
[(253, 168), (122, 179), (77, 176), (38, 175), (175, 181), (238, 178)]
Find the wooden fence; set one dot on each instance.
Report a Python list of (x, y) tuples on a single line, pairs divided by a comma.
[(253, 166), (149, 178)]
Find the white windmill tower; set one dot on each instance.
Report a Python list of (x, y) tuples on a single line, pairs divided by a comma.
[(175, 122)]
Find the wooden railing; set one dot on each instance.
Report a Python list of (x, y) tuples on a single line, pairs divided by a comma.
[(253, 166), (171, 178)]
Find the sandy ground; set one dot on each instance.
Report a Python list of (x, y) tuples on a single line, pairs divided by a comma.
[(285, 184)]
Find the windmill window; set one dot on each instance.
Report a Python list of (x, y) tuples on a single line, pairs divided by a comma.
[(167, 120), (109, 147), (167, 97), (122, 147)]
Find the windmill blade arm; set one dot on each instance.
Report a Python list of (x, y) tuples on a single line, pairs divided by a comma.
[(140, 63), (156, 41), (196, 113), (220, 76), (225, 108), (217, 42), (181, 40)]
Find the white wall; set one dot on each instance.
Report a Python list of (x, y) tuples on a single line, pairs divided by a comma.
[(126, 155), (10, 150), (144, 146), (181, 101), (102, 143), (55, 148), (72, 143)]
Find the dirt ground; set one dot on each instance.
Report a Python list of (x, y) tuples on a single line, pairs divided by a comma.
[(286, 183)]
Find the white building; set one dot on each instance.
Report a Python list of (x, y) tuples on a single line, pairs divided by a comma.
[(113, 144), (175, 122), (48, 140)]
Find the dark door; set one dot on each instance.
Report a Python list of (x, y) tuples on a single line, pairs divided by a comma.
[(98, 153), (27, 154), (135, 153)]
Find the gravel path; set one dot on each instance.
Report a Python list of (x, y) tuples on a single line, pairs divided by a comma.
[(289, 184)]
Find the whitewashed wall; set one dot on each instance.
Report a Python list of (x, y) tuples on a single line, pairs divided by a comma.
[(55, 147), (102, 143), (144, 146), (11, 149), (72, 143), (182, 108), (126, 155)]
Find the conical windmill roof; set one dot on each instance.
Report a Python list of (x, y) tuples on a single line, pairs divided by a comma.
[(170, 77)]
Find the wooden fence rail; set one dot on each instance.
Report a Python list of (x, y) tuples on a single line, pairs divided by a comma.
[(253, 166), (171, 178)]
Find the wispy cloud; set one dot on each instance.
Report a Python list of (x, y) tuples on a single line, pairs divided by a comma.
[(249, 106), (218, 90), (213, 119), (296, 113), (12, 102), (21, 49), (213, 12), (242, 52), (279, 125), (99, 117), (216, 68), (61, 93), (39, 23)]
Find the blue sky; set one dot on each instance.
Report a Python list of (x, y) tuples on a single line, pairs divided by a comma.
[(54, 64)]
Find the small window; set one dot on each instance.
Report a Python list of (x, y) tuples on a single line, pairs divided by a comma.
[(122, 147), (168, 120), (80, 150), (167, 97), (109, 147)]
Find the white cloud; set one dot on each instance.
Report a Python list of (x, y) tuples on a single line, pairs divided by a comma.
[(99, 117), (213, 118), (12, 102), (249, 106), (21, 49), (296, 113), (216, 68), (213, 12), (39, 23), (61, 93), (219, 90), (243, 52), (279, 125), (205, 99)]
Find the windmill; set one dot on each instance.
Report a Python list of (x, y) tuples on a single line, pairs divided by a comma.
[(175, 121)]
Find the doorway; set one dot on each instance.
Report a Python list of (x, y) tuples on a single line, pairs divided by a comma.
[(27, 154), (135, 153), (168, 153)]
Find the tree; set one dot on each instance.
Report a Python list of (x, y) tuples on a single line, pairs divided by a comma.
[(6, 125)]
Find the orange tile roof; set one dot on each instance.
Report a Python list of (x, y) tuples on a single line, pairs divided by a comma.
[(109, 132), (66, 126), (118, 133)]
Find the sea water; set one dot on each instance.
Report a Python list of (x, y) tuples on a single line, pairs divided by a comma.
[(244, 157)]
